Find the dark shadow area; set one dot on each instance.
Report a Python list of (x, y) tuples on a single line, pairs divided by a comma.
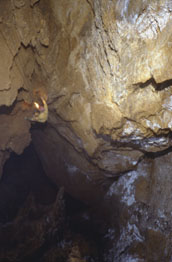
[(157, 86), (32, 213), (23, 174), (6, 109), (154, 155)]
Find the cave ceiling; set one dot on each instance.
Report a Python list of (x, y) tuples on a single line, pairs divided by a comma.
[(102, 69)]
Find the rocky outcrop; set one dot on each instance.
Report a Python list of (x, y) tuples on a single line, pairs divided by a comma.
[(145, 211), (106, 69)]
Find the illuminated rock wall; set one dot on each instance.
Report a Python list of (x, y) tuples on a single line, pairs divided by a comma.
[(106, 67)]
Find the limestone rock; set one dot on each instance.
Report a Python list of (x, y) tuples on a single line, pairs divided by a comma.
[(33, 2), (19, 3), (118, 161), (69, 168), (145, 218), (15, 134), (110, 67), (106, 68)]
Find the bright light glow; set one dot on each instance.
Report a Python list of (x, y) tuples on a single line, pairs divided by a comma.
[(36, 105)]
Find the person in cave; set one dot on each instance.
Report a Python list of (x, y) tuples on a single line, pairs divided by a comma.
[(40, 111)]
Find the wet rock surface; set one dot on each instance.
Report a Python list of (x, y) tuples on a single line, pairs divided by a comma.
[(105, 69)]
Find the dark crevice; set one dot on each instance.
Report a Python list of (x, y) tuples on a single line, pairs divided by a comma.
[(163, 85), (91, 7), (6, 110), (136, 144), (154, 155), (23, 174), (157, 86)]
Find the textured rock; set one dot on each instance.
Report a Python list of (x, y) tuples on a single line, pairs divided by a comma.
[(15, 134), (103, 64), (106, 69), (106, 65), (69, 168), (108, 72), (119, 160), (145, 210)]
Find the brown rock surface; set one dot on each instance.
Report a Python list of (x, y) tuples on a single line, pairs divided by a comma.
[(102, 65), (106, 69), (142, 199)]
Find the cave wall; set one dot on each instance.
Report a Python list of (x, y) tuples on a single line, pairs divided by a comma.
[(106, 68)]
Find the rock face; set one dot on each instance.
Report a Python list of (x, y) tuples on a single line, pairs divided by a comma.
[(106, 68)]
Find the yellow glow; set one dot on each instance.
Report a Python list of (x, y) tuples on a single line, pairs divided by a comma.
[(36, 105)]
